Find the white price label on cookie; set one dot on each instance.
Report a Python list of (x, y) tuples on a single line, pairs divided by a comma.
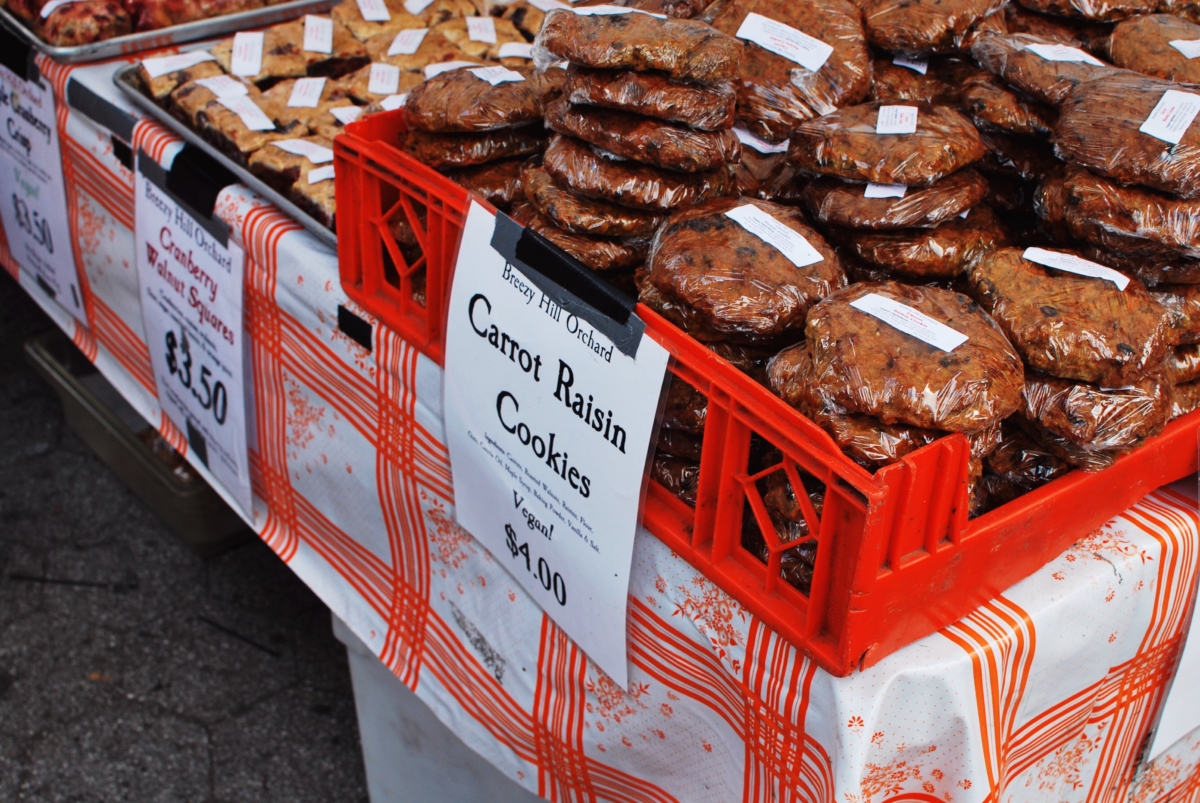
[(1064, 53), (306, 93), (1077, 265), (161, 65), (481, 29), (251, 115), (916, 65), (385, 79), (319, 174), (393, 102), (446, 66), (1190, 48), (1172, 116), (407, 42), (896, 120), (910, 321), (885, 190), (374, 10), (784, 40), (546, 6), (758, 143), (787, 241), (346, 114), (612, 11), (497, 75), (316, 153), (516, 50), (223, 86), (416, 6), (318, 34), (247, 53)]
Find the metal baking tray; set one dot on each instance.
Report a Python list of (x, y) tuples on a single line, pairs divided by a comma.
[(127, 82), (165, 37)]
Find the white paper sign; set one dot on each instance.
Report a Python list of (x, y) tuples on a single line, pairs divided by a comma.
[(916, 65), (223, 86), (1171, 116), (306, 93), (191, 293), (896, 120), (910, 321), (788, 242), (313, 152), (346, 114), (160, 66), (549, 428), (516, 50), (546, 6), (1064, 53), (393, 102), (440, 67), (34, 206), (786, 41), (247, 53), (407, 42), (1077, 265), (374, 10), (1190, 48), (385, 79), (885, 190), (251, 115), (416, 6), (481, 29), (318, 34), (497, 75), (759, 144), (319, 174)]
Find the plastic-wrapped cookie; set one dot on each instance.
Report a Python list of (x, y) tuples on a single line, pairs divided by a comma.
[(923, 27), (1112, 420), (498, 182), (995, 107), (1037, 65), (858, 206), (441, 150), (465, 100), (598, 253), (1143, 44), (940, 253), (582, 215), (706, 108)]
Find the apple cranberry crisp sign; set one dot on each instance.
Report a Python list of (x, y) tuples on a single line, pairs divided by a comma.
[(550, 409)]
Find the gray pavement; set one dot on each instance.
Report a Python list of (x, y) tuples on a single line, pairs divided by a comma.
[(131, 670)]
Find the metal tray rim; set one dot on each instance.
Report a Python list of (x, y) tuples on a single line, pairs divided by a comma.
[(122, 80), (132, 43)]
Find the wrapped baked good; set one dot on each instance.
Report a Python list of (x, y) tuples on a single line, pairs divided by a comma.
[(940, 83), (439, 150), (840, 203), (679, 9), (1099, 128), (1183, 364), (1184, 9), (280, 168), (1018, 465), (498, 182), (1143, 44), (867, 366), (923, 27), (85, 22), (775, 93), (358, 85), (680, 444), (678, 475), (995, 107), (582, 215), (433, 49), (465, 100), (575, 165), (1073, 326), (317, 198), (1185, 398), (456, 31), (160, 88), (1150, 272), (706, 108), (1182, 303), (844, 144), (1018, 157), (1084, 34), (943, 252), (350, 15), (686, 409), (1112, 420), (1037, 65), (683, 49), (1098, 10), (598, 253), (992, 24), (768, 176)]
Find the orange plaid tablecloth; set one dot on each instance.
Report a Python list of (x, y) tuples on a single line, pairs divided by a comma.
[(1047, 693)]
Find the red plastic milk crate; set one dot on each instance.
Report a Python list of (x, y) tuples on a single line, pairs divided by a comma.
[(897, 558)]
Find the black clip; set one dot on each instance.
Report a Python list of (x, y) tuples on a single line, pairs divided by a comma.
[(194, 182)]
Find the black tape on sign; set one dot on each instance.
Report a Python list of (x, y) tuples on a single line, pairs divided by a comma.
[(354, 327), (122, 152), (17, 55), (570, 284), (100, 111), (193, 182)]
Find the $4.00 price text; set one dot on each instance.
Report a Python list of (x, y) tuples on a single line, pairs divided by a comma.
[(211, 396), (551, 581)]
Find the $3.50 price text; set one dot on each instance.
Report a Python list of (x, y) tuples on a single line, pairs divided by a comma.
[(210, 395), (33, 224), (551, 581)]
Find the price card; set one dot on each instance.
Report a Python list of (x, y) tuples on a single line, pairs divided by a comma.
[(785, 41), (384, 79), (407, 42), (481, 29), (1171, 116), (318, 34), (190, 274), (34, 202), (549, 423), (393, 102), (247, 53), (516, 50), (306, 93), (874, 190), (916, 65), (374, 10), (896, 120)]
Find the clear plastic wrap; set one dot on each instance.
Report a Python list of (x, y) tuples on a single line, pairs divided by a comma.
[(1020, 157), (706, 108), (1084, 34), (723, 279), (1185, 398), (1018, 465), (645, 139), (581, 215), (686, 409), (844, 144), (1151, 272), (1072, 326), (1182, 303), (941, 253), (1183, 364), (1098, 127), (498, 182), (573, 164), (598, 253), (1096, 10), (866, 366), (941, 83), (679, 9), (678, 475), (1049, 81), (460, 101), (839, 203), (775, 93), (1111, 420), (679, 443), (924, 27), (768, 176), (995, 107), (683, 49), (441, 151), (1143, 44), (1184, 9), (992, 24)]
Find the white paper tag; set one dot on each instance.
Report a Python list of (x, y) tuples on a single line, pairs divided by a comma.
[(759, 144), (550, 495), (916, 65), (885, 190), (318, 34), (963, 214), (1171, 116), (385, 79), (252, 116), (346, 114), (407, 42), (160, 66), (393, 102), (374, 10), (612, 11), (497, 75), (1190, 48), (319, 174), (546, 6), (910, 321), (306, 93), (896, 120), (416, 6), (223, 86), (313, 152), (766, 228), (786, 41), (1077, 265), (516, 50), (481, 29), (440, 67), (191, 291), (1064, 53), (247, 53), (50, 7)]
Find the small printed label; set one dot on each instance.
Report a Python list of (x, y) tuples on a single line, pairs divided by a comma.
[(497, 75), (766, 228), (416, 6), (407, 42), (223, 86), (546, 6), (963, 214), (446, 66), (916, 65), (612, 11), (1077, 265), (1172, 116), (385, 79), (318, 34), (306, 93), (786, 41), (885, 190), (317, 154), (346, 114), (1190, 48), (393, 102), (158, 67), (1064, 53), (910, 321), (247, 53), (516, 50), (481, 29), (374, 10), (252, 116), (758, 143), (53, 5), (896, 120), (319, 174)]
